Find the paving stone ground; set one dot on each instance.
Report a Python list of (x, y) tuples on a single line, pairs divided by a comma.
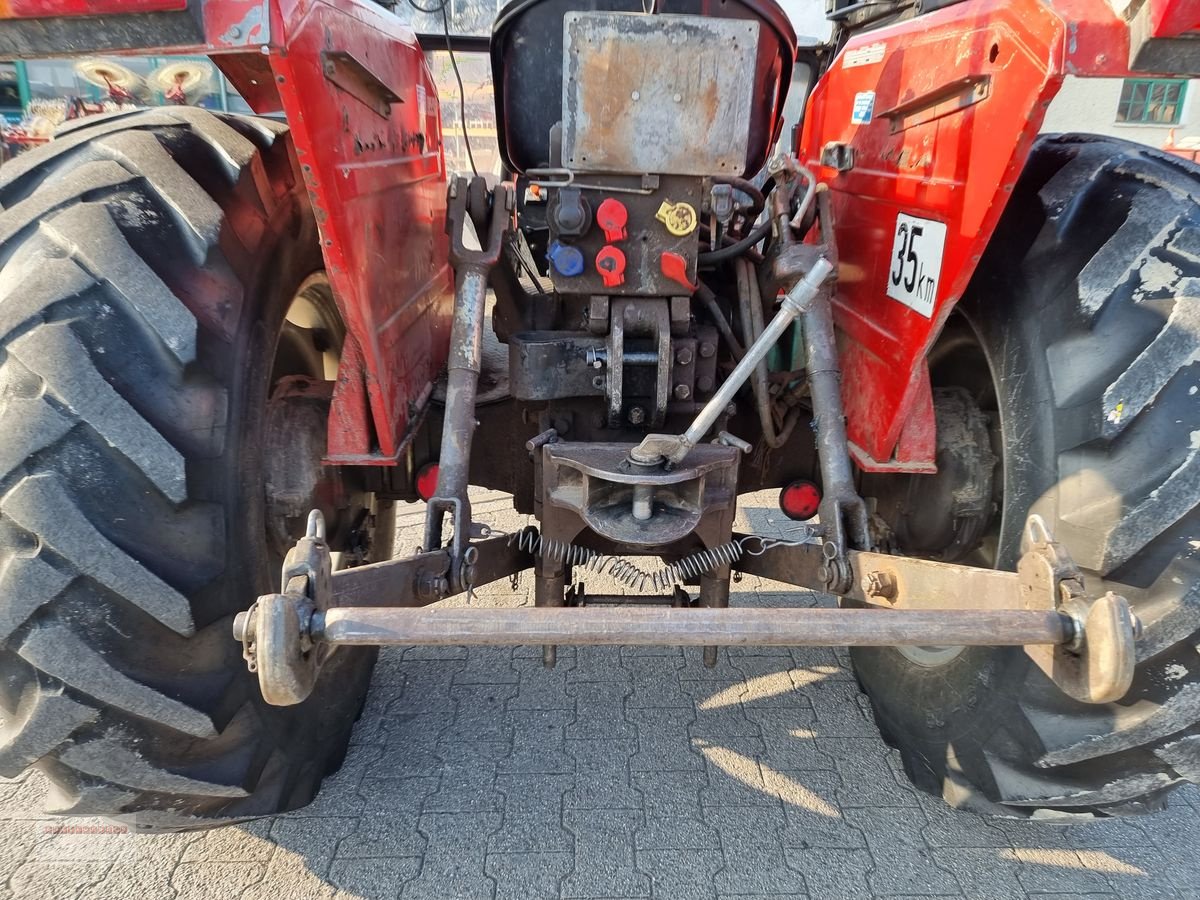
[(622, 773)]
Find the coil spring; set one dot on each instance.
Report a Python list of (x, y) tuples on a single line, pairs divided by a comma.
[(622, 570)]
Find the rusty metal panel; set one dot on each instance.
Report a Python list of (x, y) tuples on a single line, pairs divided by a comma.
[(657, 93)]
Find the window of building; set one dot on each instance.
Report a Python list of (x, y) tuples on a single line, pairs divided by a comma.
[(1151, 101), (10, 90)]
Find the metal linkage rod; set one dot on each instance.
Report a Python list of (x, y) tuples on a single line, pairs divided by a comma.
[(794, 304), (673, 448), (644, 626)]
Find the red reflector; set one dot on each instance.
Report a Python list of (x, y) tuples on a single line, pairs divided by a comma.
[(800, 500), (427, 479)]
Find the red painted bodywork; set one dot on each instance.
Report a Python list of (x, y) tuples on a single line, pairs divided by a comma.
[(1171, 18), (967, 87), (35, 9), (378, 185), (377, 182), (376, 178)]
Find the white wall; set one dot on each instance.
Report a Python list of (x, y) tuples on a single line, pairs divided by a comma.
[(1090, 105), (808, 18)]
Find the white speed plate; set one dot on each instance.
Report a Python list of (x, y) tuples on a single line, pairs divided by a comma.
[(915, 266)]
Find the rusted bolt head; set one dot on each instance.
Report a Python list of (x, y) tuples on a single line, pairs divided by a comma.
[(684, 356), (707, 350), (429, 585), (682, 392), (704, 384), (882, 585), (637, 415)]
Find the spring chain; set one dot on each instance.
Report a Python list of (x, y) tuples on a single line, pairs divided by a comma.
[(633, 576)]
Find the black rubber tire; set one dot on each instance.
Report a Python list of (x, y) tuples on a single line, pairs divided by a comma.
[(146, 263), (1087, 310)]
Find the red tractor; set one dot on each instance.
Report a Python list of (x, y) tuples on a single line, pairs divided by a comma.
[(964, 353)]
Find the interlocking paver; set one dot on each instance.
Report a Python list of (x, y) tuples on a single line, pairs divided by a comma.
[(904, 864), (533, 807), (622, 773), (538, 742), (377, 877), (389, 824), (833, 874), (453, 863), (604, 857), (663, 740), (600, 711), (201, 880), (528, 876), (680, 874), (56, 880), (758, 870), (539, 687), (606, 782), (655, 682)]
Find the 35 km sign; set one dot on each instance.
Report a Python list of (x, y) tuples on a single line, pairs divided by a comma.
[(916, 262)]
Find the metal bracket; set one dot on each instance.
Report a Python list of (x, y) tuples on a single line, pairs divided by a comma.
[(275, 631), (280, 633), (1085, 645), (1097, 665), (349, 75), (638, 319)]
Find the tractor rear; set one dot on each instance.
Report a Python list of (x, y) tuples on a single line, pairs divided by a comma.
[(963, 354)]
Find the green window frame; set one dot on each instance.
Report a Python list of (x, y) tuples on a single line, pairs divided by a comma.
[(1152, 101)]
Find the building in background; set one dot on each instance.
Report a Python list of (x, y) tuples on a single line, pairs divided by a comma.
[(1160, 112)]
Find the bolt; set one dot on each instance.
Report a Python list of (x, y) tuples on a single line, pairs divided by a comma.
[(678, 97), (682, 392), (429, 585), (636, 95), (241, 626), (643, 502), (704, 384), (684, 356), (235, 33), (881, 585), (637, 415), (707, 350)]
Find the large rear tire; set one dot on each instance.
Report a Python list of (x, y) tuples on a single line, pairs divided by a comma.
[(1085, 321), (147, 264)]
